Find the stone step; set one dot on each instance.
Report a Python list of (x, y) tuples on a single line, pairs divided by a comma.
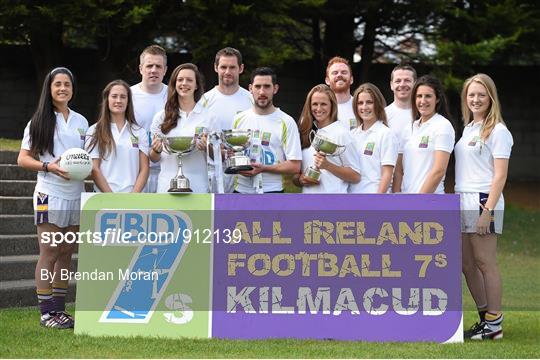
[(14, 172), (8, 157), (16, 205), (19, 245), (17, 187), (26, 187), (17, 224), (16, 293), (18, 267)]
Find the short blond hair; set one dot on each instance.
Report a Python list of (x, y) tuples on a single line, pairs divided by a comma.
[(154, 50)]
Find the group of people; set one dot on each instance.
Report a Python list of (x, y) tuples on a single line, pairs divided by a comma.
[(404, 147)]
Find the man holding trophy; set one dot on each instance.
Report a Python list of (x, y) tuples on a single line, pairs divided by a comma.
[(275, 142), (329, 161)]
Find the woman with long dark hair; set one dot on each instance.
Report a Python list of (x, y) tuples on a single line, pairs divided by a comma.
[(53, 129), (319, 116), (428, 143), (117, 144), (482, 156), (183, 115)]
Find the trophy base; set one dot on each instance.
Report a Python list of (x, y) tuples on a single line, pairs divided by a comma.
[(237, 169), (181, 191), (312, 173), (237, 163), (180, 184)]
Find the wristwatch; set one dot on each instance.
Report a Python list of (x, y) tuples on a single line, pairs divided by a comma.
[(45, 165)]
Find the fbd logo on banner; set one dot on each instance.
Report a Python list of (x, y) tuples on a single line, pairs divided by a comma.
[(140, 266)]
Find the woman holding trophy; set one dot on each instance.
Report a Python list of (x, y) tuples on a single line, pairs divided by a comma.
[(373, 140), (116, 143), (329, 162), (180, 134)]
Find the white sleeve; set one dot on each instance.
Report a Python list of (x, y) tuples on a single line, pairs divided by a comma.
[(444, 138), (90, 133), (293, 150), (501, 142), (157, 120), (144, 147), (25, 144), (403, 138), (350, 157), (389, 148)]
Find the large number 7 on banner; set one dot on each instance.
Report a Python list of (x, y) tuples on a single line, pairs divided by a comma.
[(159, 251)]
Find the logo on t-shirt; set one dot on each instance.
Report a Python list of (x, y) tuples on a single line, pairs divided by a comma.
[(82, 133), (134, 141), (256, 134), (266, 138), (424, 142), (474, 140), (369, 148)]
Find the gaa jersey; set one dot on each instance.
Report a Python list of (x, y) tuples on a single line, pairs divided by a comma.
[(68, 134), (274, 139), (475, 157)]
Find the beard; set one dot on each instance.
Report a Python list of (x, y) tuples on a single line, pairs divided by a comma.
[(264, 103)]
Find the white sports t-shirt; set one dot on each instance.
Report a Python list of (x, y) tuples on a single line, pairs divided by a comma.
[(68, 134), (121, 167), (275, 139), (145, 106), (377, 147), (418, 149), (328, 182), (474, 157), (346, 114), (398, 120), (225, 107), (194, 163)]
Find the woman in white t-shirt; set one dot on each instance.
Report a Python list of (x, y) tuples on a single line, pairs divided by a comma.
[(53, 129), (117, 145), (183, 115), (319, 115), (373, 140), (482, 156), (428, 143)]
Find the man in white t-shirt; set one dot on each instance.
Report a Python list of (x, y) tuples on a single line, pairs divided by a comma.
[(339, 77), (275, 149), (149, 97), (399, 112), (227, 98)]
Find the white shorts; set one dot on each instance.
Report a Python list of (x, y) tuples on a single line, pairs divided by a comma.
[(56, 211), (471, 209), (151, 183)]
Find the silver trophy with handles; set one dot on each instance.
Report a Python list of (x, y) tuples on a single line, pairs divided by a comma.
[(326, 146), (237, 140), (179, 145)]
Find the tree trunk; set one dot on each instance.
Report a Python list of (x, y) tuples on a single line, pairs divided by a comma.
[(340, 26), (368, 43), (46, 47)]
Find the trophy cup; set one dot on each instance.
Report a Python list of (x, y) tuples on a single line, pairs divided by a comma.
[(179, 145), (324, 145), (237, 140)]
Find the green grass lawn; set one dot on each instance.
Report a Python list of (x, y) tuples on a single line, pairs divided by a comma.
[(10, 144), (21, 336)]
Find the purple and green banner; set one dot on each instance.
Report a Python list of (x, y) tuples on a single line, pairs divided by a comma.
[(348, 267)]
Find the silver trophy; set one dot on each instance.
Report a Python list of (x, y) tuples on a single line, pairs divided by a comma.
[(179, 145), (237, 140), (324, 145)]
